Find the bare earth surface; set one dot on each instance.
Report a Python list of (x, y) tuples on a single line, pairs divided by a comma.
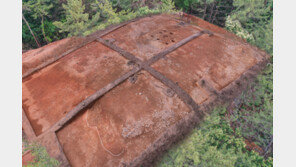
[(125, 125)]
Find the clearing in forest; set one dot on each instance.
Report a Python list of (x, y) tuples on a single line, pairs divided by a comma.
[(122, 96)]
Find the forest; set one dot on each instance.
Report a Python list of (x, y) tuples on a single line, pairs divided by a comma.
[(240, 137)]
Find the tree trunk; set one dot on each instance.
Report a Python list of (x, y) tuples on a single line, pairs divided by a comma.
[(31, 31), (212, 10), (42, 25), (214, 18), (205, 10)]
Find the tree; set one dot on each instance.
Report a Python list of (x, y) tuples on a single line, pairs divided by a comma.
[(25, 20), (256, 17), (82, 17), (252, 20), (107, 11), (77, 21), (39, 9), (213, 11)]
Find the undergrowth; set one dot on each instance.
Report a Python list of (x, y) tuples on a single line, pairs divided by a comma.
[(220, 140), (213, 145), (253, 116), (41, 157)]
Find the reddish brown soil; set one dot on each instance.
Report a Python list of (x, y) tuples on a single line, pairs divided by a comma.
[(252, 146), (33, 58), (50, 93), (128, 119), (218, 60), (27, 158), (151, 35), (206, 25), (129, 123)]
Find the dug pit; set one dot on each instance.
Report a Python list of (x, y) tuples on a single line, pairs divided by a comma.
[(122, 96)]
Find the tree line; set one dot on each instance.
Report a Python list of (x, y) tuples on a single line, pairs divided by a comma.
[(45, 21)]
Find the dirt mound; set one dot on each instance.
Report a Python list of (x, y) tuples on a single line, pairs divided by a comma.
[(122, 96)]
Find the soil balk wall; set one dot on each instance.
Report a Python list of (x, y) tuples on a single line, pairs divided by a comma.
[(182, 128)]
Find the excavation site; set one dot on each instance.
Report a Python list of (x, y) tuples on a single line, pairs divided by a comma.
[(124, 95)]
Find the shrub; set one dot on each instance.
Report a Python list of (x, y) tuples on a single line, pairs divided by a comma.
[(253, 116), (213, 145), (255, 17), (41, 157)]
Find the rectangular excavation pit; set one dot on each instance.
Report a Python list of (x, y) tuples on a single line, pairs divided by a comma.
[(215, 59), (131, 119), (53, 91), (122, 124), (148, 36)]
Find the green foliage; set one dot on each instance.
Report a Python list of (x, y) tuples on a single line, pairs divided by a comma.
[(236, 27), (253, 116), (82, 17), (213, 145), (187, 5), (38, 8), (40, 15), (41, 157), (167, 6), (76, 19), (252, 12), (78, 22), (213, 11), (123, 4), (255, 17), (27, 38), (110, 16)]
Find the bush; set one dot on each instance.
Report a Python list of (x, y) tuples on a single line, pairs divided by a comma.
[(253, 116), (256, 18), (213, 145), (41, 157)]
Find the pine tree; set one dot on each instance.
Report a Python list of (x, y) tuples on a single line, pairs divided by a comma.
[(107, 11), (101, 15), (77, 21)]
